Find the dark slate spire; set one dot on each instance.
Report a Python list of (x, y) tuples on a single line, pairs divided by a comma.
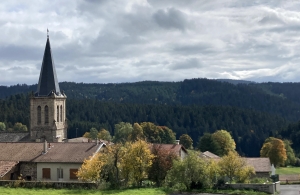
[(48, 79)]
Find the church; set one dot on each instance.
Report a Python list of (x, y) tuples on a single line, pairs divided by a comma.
[(45, 154), (48, 104)]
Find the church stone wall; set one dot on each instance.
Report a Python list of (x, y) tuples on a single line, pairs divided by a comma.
[(55, 130)]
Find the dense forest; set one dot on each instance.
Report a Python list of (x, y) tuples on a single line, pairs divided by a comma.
[(250, 111)]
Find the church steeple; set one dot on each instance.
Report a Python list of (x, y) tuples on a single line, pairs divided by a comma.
[(48, 106), (48, 80)]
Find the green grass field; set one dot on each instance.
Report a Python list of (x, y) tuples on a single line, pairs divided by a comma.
[(142, 191), (288, 170), (25, 191)]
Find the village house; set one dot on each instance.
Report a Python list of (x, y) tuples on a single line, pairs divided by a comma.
[(262, 165), (176, 149), (44, 161)]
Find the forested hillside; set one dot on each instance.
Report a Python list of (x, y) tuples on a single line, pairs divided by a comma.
[(251, 112)]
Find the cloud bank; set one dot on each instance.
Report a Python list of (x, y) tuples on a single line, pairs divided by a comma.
[(166, 40)]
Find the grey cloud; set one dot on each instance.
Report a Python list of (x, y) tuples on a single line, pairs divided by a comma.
[(170, 18), (186, 64), (19, 52)]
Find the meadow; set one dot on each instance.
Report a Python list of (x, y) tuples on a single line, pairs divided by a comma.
[(141, 191), (288, 170)]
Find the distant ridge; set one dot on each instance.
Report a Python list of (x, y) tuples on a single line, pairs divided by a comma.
[(235, 82)]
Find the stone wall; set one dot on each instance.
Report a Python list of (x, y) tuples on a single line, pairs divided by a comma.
[(268, 188), (28, 170)]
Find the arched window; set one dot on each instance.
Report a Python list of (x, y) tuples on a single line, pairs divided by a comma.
[(46, 115), (39, 115), (61, 117), (57, 114)]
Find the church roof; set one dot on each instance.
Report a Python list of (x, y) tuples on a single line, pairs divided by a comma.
[(48, 80)]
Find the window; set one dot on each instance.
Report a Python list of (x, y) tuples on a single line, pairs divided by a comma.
[(73, 173), (46, 115), (57, 114), (61, 114), (38, 115), (60, 173), (46, 173)]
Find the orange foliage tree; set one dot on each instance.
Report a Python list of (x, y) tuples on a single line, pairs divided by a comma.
[(274, 149)]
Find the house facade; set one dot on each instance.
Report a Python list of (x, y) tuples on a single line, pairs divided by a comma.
[(44, 161)]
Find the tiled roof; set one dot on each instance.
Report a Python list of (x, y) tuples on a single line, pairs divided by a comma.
[(259, 164), (48, 79), (6, 166), (58, 152), (84, 139), (208, 154), (170, 147), (12, 137)]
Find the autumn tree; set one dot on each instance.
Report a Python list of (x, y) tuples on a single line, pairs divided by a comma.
[(2, 126), (207, 143), (161, 164), (104, 134), (225, 141), (136, 161), (87, 135), (233, 166), (158, 134), (90, 171), (186, 141), (274, 149)]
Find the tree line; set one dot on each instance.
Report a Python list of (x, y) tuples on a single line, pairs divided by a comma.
[(248, 127)]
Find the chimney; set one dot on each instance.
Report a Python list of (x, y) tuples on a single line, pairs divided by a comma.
[(177, 142), (45, 147)]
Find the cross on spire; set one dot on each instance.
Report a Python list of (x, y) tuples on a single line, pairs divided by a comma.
[(47, 33)]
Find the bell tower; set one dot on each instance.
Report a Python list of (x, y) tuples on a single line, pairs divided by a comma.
[(48, 104)]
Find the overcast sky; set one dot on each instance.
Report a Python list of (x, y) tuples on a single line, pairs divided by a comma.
[(113, 41)]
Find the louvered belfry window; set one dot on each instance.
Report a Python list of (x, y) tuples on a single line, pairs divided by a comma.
[(39, 115), (61, 115), (46, 115), (57, 117)]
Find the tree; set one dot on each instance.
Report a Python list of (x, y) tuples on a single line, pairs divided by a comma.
[(93, 133), (87, 135), (90, 170), (104, 134), (136, 161), (274, 149), (225, 141), (207, 143), (233, 166), (161, 164), (137, 133), (190, 171), (158, 134), (122, 132), (20, 127), (186, 141), (2, 126), (291, 158)]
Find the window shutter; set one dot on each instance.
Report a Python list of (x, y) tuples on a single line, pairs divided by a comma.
[(46, 173)]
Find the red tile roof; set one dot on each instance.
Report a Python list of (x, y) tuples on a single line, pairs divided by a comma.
[(170, 147), (58, 152), (6, 166), (260, 164)]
